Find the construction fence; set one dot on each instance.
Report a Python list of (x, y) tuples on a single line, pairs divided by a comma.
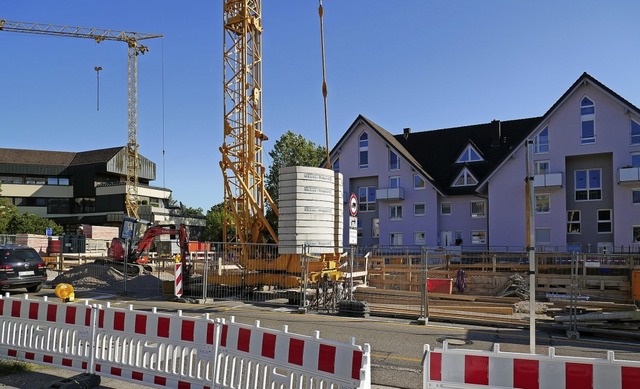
[(319, 277)]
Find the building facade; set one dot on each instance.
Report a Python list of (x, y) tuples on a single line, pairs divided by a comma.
[(465, 186), (75, 188)]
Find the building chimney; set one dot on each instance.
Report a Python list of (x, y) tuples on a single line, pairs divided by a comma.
[(496, 133), (406, 132)]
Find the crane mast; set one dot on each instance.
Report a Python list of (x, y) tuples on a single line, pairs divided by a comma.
[(134, 49), (245, 196)]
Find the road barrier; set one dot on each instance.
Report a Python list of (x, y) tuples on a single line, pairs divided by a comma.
[(171, 350), (459, 368), (289, 360)]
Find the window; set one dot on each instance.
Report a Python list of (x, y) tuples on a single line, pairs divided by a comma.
[(573, 222), (364, 150), (635, 196), (445, 209), (543, 235), (336, 165), (35, 180), (394, 161), (419, 209), (394, 182), (635, 132), (541, 167), (395, 212), (469, 155), (478, 237), (419, 238), (465, 178), (395, 239), (541, 142), (605, 225), (375, 227), (588, 184), (635, 160), (636, 234), (419, 182), (58, 206), (478, 209), (542, 203), (367, 198), (588, 121)]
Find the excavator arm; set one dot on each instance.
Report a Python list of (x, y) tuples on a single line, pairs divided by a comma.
[(149, 235)]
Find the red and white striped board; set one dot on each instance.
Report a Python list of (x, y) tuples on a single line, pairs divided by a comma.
[(495, 369), (178, 280)]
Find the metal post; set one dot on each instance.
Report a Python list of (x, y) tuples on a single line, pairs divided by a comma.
[(126, 264), (353, 249), (205, 272), (424, 308), (531, 246)]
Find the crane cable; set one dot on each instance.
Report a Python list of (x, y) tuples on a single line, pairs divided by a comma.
[(324, 85)]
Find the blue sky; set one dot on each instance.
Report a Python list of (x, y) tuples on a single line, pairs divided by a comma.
[(413, 63)]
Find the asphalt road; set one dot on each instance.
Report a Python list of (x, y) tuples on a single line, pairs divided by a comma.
[(396, 344)]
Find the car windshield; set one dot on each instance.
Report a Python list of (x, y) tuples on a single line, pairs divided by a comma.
[(19, 255)]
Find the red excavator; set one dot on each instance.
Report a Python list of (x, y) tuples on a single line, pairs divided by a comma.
[(137, 249)]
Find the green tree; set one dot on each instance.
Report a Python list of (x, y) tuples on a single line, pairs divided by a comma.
[(7, 212), (28, 223), (213, 229), (290, 150)]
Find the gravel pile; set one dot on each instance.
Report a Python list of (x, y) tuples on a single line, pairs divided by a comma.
[(105, 278)]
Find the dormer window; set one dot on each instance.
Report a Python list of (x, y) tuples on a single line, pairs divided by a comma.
[(588, 121), (470, 154), (465, 178)]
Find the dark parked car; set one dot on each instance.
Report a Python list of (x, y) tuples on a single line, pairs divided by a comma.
[(21, 267)]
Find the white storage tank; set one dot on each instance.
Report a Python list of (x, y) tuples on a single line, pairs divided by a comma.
[(310, 204)]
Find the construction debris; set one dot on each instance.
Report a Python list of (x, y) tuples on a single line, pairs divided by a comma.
[(515, 286)]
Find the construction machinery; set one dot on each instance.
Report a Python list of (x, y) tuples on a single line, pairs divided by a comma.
[(132, 39), (245, 196), (132, 249)]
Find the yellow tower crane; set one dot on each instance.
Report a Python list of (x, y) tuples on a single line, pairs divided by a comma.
[(135, 48), (245, 196)]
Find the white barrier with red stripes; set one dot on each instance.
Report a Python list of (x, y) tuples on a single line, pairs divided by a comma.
[(156, 349), (459, 368), (47, 333), (271, 358), (171, 350)]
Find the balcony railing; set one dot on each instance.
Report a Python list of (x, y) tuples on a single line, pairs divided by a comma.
[(390, 194), (629, 174), (547, 180)]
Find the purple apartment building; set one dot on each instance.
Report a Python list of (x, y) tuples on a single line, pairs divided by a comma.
[(465, 186)]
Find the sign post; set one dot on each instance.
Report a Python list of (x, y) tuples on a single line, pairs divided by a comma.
[(353, 236)]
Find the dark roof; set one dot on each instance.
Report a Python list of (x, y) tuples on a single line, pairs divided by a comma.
[(35, 157), (55, 158), (95, 156), (428, 148)]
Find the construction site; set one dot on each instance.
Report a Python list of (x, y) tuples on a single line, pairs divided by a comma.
[(304, 261)]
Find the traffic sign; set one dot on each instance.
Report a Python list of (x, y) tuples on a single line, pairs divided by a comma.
[(353, 205)]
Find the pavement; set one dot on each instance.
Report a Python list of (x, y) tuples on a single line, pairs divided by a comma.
[(54, 377)]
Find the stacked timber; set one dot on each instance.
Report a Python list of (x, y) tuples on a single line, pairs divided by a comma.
[(40, 243), (441, 306), (99, 232), (596, 314)]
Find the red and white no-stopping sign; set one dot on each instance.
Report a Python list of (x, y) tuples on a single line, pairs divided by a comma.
[(353, 205)]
